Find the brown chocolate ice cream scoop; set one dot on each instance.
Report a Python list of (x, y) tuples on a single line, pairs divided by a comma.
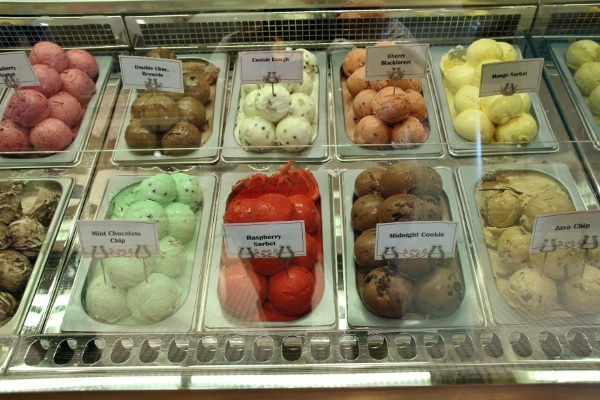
[(192, 111), (161, 53), (5, 239), (10, 207), (44, 205), (140, 138), (160, 112), (8, 307), (196, 86), (15, 270), (183, 138), (387, 293), (27, 236)]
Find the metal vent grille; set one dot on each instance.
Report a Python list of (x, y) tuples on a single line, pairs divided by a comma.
[(580, 23), (92, 35)]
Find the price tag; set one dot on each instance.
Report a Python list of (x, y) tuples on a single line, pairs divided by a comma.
[(16, 70), (415, 240), (102, 239), (396, 62), (265, 239), (570, 230), (511, 77), (271, 66), (154, 74)]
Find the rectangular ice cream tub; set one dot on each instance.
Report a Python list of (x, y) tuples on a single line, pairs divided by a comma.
[(43, 194), (156, 295), (208, 152), (465, 312), (502, 202), (592, 126), (318, 150), (73, 153), (543, 142), (348, 150), (323, 312)]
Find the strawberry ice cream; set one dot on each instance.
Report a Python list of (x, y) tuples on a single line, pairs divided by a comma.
[(83, 60), (49, 80), (65, 107), (50, 135), (27, 107), (78, 84), (13, 137), (50, 54)]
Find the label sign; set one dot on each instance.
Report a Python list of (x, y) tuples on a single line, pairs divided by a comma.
[(271, 66), (265, 239), (16, 71), (396, 62), (511, 77), (102, 239), (151, 73), (570, 230), (415, 240)]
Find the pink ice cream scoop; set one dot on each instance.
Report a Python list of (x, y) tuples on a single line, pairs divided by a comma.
[(27, 107), (13, 137), (50, 135), (65, 107), (77, 83), (50, 54), (83, 60), (49, 79)]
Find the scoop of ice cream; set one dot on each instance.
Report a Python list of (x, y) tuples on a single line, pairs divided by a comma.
[(5, 238), (483, 49), (257, 133), (27, 107), (310, 64), (239, 211), (65, 107), (386, 293), (509, 53), (105, 301), (15, 270), (306, 86), (13, 137), (513, 247), (44, 205), (51, 134), (364, 250), (290, 291), (172, 259), (362, 103), (305, 209), (354, 59), (357, 82), (587, 77), (126, 272), (271, 207), (474, 126), (367, 181), (418, 107), (241, 291), (293, 133), (502, 209), (302, 106), (372, 132), (122, 200), (581, 292), (440, 292), (532, 293), (83, 60), (518, 129), (400, 177), (49, 79), (160, 188), (159, 112), (593, 101), (581, 52), (149, 210), (273, 102), (558, 265), (78, 84), (453, 58), (476, 80), (182, 221), (547, 202), (10, 207), (140, 138), (50, 54), (154, 299), (192, 111), (500, 109), (408, 132), (526, 101), (27, 236), (458, 77), (364, 211), (8, 307), (181, 139), (188, 190), (407, 207), (391, 105), (248, 107)]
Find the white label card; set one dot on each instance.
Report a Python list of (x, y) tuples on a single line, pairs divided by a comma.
[(271, 66), (415, 240), (511, 77), (396, 61), (563, 231), (102, 239), (158, 74), (265, 239), (16, 70)]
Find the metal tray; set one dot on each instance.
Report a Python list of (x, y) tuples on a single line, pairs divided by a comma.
[(323, 316), (64, 187), (543, 142), (76, 319), (205, 154), (559, 51), (347, 150), (316, 151), (73, 153), (469, 312), (468, 178)]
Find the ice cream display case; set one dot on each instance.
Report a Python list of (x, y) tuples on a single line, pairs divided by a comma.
[(198, 316)]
